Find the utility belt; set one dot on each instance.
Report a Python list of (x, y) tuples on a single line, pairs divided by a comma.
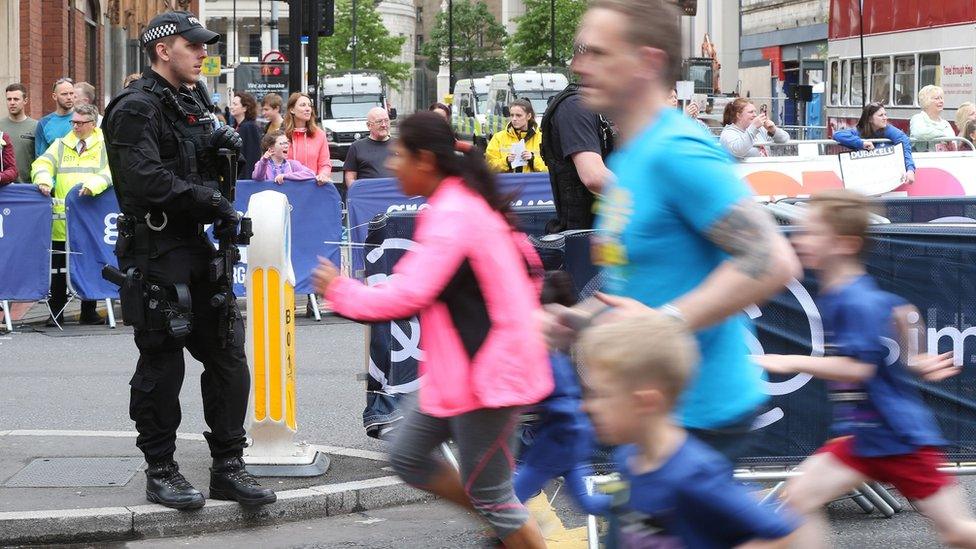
[(148, 304)]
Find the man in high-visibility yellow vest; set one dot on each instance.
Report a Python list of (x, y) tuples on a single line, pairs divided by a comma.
[(77, 158)]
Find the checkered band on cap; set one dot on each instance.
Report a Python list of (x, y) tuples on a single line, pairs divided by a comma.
[(155, 33)]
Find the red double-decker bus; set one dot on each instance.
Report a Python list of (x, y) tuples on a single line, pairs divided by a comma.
[(907, 44)]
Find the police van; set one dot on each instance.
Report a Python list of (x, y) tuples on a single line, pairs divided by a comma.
[(346, 100), (537, 87), (469, 108)]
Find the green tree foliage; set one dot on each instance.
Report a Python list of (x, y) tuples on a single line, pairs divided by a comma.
[(479, 40), (530, 45), (376, 51)]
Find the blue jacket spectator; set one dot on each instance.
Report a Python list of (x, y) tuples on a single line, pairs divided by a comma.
[(873, 124), (58, 123)]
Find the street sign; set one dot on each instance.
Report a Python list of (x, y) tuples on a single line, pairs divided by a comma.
[(304, 40), (260, 79), (274, 56), (211, 66)]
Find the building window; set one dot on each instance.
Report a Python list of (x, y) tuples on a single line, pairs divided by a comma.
[(905, 80), (254, 45), (857, 68), (420, 14), (835, 82), (91, 42), (928, 69), (420, 44), (881, 80)]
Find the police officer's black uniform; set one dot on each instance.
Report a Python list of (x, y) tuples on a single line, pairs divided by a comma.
[(161, 149), (569, 128)]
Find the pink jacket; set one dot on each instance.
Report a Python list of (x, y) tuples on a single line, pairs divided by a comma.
[(312, 152), (467, 278)]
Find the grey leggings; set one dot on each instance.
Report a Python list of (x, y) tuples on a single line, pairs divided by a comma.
[(484, 440)]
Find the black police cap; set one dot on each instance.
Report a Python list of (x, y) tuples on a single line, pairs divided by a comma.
[(184, 23)]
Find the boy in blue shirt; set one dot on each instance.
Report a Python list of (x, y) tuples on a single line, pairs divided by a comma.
[(886, 432), (679, 492)]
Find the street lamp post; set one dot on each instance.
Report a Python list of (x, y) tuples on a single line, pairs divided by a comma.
[(552, 32), (354, 41), (450, 45)]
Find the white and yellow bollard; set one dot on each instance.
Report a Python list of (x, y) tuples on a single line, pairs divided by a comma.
[(272, 406)]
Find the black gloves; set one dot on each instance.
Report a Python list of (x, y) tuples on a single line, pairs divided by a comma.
[(225, 137), (226, 215)]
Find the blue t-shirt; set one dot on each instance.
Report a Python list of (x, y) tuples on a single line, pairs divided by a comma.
[(885, 413), (673, 182), (691, 501), (49, 129)]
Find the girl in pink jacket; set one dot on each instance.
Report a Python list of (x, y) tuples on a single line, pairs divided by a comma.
[(484, 358)]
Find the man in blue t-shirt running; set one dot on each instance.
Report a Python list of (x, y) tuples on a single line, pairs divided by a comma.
[(678, 230)]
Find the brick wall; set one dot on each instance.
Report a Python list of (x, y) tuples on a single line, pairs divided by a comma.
[(31, 64)]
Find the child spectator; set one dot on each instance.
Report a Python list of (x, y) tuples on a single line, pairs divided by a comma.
[(274, 164), (886, 432), (679, 492)]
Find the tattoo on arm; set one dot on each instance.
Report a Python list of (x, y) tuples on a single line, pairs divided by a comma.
[(747, 234)]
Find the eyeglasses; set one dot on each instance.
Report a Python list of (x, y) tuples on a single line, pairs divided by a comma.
[(81, 122)]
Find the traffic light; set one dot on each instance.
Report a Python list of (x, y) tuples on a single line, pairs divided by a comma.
[(319, 17)]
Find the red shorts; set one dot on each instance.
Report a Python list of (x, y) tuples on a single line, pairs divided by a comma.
[(915, 475)]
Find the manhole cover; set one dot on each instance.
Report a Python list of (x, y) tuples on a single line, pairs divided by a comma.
[(76, 472)]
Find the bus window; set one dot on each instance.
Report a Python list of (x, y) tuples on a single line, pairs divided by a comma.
[(928, 73), (835, 82), (845, 85), (904, 80), (881, 80), (856, 83)]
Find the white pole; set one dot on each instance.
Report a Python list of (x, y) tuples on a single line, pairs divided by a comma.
[(274, 25)]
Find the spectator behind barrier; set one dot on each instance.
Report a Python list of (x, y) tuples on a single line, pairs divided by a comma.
[(20, 129), (969, 132), (58, 123), (873, 124), (271, 111), (274, 164), (929, 124), (8, 161), (521, 127), (244, 113), (747, 131), (308, 143), (691, 109), (445, 111), (366, 158), (964, 113)]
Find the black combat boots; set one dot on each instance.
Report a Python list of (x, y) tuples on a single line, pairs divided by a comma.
[(166, 486), (230, 480)]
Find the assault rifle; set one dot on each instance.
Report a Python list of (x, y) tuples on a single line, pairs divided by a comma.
[(228, 255)]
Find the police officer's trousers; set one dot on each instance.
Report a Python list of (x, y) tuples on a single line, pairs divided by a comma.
[(155, 388)]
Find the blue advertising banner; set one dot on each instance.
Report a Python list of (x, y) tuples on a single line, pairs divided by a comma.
[(316, 227), (91, 242), (368, 198), (25, 243), (931, 266)]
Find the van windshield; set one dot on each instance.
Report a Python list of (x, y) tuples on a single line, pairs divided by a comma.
[(351, 106), (539, 100)]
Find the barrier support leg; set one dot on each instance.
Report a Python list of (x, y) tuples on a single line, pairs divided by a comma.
[(884, 494), (592, 533), (876, 500), (7, 316), (862, 502), (110, 312), (315, 307)]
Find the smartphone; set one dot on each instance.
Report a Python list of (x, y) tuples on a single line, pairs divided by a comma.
[(762, 108)]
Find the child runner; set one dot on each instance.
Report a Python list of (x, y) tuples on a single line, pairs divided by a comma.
[(680, 492), (890, 436), (560, 442), (484, 358), (274, 164)]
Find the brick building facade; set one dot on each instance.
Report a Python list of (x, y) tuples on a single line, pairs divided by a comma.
[(91, 40)]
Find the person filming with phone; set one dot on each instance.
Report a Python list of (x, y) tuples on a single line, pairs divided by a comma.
[(748, 131)]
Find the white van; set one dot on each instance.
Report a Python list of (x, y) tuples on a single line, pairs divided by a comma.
[(346, 100), (537, 87), (469, 107)]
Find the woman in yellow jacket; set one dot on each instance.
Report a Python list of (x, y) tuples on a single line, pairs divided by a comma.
[(521, 127), (76, 159)]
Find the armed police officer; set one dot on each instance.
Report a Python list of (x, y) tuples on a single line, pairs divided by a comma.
[(165, 155)]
